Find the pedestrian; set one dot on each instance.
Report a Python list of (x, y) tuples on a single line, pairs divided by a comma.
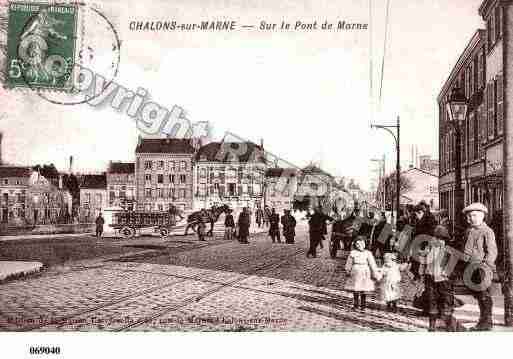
[(99, 225), (244, 222), (439, 287), (316, 230), (390, 279), (424, 226), (274, 226), (267, 214), (259, 217), (480, 251), (361, 270), (289, 226), (377, 248), (202, 224), (229, 225)]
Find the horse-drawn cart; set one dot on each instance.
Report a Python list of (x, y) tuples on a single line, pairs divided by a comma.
[(128, 222)]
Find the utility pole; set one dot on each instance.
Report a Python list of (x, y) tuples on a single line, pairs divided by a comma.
[(397, 138)]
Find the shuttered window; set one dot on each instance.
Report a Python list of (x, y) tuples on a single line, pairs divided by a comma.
[(500, 104), (463, 147), (471, 150), (490, 104)]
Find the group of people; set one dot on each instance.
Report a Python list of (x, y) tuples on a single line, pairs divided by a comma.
[(243, 224), (428, 264)]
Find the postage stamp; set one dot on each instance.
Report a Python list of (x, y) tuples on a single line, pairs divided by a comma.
[(41, 45)]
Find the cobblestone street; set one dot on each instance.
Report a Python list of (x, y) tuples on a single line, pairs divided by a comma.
[(186, 285)]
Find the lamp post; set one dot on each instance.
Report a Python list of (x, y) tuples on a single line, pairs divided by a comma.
[(397, 138), (457, 108)]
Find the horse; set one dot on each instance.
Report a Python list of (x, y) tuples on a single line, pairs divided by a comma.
[(213, 214)]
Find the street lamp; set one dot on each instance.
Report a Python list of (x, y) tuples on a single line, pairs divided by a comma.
[(397, 138), (381, 182), (457, 108)]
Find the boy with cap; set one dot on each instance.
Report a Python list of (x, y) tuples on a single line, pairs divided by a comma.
[(480, 249)]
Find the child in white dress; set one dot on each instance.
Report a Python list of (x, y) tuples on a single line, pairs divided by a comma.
[(360, 269), (389, 284)]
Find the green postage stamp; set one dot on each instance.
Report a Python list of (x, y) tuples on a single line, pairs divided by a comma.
[(41, 45)]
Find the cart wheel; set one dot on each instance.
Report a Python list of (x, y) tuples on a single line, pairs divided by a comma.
[(127, 232), (164, 232)]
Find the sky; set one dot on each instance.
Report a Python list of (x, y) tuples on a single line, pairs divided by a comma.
[(306, 93)]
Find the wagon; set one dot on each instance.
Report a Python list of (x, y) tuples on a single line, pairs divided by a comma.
[(128, 222)]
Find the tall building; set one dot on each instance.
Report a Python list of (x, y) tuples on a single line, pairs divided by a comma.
[(469, 74), (482, 73), (121, 184), (164, 173), (229, 173), (313, 187)]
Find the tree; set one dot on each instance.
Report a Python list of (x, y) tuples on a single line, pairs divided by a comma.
[(390, 187)]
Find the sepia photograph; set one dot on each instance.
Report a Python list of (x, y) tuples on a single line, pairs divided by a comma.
[(254, 166)]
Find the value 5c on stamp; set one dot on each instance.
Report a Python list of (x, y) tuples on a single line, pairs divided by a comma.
[(41, 45)]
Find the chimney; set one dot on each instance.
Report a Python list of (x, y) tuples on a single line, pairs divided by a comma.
[(70, 165), (60, 181)]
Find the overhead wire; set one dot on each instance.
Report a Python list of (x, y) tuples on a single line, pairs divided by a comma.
[(384, 51)]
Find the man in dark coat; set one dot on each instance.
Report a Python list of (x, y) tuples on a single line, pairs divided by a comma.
[(99, 225), (316, 230), (289, 227), (202, 224), (229, 225), (274, 229), (259, 216), (243, 223), (425, 225), (375, 245)]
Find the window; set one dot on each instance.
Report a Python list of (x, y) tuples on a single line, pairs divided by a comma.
[(171, 165), (183, 179), (203, 172), (122, 194), (500, 103), (471, 137), (161, 164), (171, 178), (160, 178), (160, 192), (231, 189), (112, 195), (147, 165), (182, 193), (498, 23), (123, 188), (160, 207), (183, 165), (147, 191), (147, 178), (6, 181), (490, 103)]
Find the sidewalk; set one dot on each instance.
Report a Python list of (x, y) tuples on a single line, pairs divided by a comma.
[(42, 236), (9, 269)]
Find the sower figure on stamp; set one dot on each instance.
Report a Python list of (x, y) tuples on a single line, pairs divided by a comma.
[(481, 252), (274, 229), (99, 225)]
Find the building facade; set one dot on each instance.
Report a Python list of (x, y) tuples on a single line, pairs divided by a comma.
[(164, 174), (280, 188), (28, 198), (480, 71), (229, 173), (93, 196), (470, 76), (121, 184), (421, 186), (313, 187)]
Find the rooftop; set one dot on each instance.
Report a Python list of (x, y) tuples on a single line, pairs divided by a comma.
[(121, 167), (281, 172), (165, 145), (94, 181), (239, 151), (15, 171)]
